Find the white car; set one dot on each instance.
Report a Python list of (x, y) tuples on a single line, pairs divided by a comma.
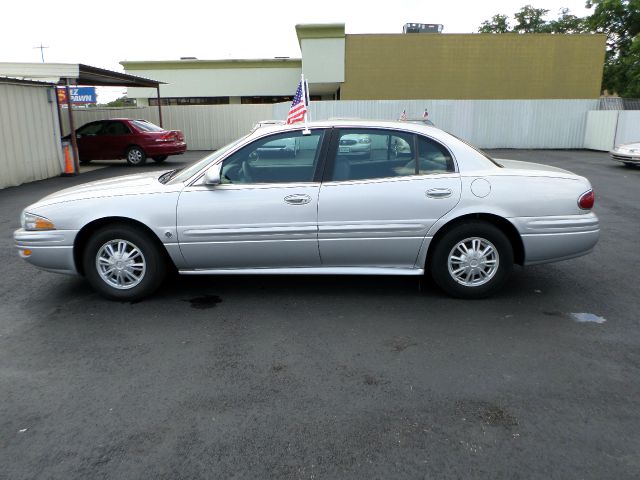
[(440, 208), (629, 154)]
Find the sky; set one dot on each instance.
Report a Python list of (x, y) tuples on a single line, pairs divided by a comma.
[(102, 34)]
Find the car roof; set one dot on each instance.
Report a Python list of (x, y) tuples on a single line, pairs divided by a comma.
[(351, 123), (264, 128)]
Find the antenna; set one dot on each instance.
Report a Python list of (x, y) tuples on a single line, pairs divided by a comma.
[(41, 47)]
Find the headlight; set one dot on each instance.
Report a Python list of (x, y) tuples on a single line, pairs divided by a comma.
[(29, 221)]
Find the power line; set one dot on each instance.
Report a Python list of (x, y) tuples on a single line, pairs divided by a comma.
[(41, 47)]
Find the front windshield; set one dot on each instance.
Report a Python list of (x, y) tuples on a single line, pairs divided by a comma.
[(192, 169)]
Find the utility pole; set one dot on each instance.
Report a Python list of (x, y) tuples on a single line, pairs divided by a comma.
[(41, 47)]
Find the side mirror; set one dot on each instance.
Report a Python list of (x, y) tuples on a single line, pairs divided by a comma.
[(212, 175)]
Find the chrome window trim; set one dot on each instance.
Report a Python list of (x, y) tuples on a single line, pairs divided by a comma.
[(199, 175), (456, 170)]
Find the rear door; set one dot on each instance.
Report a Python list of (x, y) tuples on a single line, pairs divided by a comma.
[(375, 209)]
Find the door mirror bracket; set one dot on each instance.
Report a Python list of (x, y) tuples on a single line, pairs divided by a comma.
[(212, 175)]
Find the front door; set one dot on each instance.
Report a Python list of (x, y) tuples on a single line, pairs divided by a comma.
[(88, 140), (381, 194), (263, 215)]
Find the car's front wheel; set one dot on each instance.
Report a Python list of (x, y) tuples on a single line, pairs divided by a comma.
[(136, 156), (472, 260), (121, 262)]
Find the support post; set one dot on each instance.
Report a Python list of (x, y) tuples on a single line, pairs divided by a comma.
[(74, 140), (159, 105)]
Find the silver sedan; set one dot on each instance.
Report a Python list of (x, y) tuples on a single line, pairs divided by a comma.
[(629, 154), (442, 208)]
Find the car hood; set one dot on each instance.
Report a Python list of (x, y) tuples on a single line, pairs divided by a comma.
[(533, 168), (141, 183), (629, 146)]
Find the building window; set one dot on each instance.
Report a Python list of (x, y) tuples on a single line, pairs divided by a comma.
[(190, 101), (257, 99)]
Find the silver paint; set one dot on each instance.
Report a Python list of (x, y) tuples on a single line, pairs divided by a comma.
[(381, 226)]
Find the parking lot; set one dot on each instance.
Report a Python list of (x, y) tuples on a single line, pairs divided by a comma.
[(328, 377)]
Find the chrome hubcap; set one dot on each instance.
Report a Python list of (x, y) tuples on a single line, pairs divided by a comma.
[(473, 261), (135, 156), (120, 264)]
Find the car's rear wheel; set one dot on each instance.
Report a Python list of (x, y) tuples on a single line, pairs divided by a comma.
[(136, 156), (122, 262), (160, 158), (472, 260)]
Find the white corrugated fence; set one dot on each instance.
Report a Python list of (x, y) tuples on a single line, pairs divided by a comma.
[(29, 133), (486, 123)]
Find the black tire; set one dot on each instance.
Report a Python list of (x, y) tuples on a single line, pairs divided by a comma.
[(483, 280), (160, 158), (136, 156), (148, 277), (630, 164)]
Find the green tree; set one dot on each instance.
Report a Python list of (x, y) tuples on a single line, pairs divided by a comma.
[(118, 102), (497, 24), (620, 21), (567, 23), (531, 20)]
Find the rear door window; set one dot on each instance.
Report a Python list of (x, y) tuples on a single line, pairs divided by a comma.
[(362, 154)]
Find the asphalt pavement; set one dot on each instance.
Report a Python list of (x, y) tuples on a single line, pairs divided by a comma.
[(328, 377)]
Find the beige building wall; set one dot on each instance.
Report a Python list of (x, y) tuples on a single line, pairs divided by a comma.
[(473, 66), (222, 78)]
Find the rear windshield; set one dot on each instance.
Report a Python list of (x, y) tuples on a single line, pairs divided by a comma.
[(147, 126), (481, 152)]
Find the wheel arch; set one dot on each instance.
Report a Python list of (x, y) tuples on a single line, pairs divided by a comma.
[(86, 231), (131, 145), (500, 222)]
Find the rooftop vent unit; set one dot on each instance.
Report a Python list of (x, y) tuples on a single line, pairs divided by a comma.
[(422, 28)]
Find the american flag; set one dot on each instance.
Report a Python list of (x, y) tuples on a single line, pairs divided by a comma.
[(298, 106), (403, 117)]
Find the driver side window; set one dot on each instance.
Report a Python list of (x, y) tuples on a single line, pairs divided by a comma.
[(283, 158), (90, 129)]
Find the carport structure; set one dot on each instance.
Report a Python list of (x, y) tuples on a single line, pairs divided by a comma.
[(71, 74)]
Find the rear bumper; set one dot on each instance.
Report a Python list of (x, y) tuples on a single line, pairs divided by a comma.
[(49, 250), (175, 148), (551, 239)]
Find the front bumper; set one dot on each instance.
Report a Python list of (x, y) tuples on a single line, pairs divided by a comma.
[(50, 250), (625, 157), (551, 239)]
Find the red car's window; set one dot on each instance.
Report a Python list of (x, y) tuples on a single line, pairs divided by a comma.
[(146, 126), (115, 128)]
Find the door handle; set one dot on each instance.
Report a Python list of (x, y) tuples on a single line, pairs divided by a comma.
[(298, 199), (438, 193)]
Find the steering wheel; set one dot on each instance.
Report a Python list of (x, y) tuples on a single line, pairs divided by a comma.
[(245, 171)]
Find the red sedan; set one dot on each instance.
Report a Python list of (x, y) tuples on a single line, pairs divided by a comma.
[(134, 140)]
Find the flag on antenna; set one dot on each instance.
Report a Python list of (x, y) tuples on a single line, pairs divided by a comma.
[(299, 105)]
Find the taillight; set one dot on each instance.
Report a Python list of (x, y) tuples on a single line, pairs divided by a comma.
[(586, 200), (167, 137)]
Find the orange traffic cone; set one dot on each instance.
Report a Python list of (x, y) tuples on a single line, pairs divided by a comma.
[(69, 169)]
